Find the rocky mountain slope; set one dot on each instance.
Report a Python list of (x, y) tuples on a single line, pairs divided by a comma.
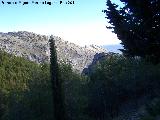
[(35, 47)]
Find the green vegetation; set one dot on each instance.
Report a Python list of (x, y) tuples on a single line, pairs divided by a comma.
[(31, 91), (137, 26), (58, 97), (119, 79), (26, 89)]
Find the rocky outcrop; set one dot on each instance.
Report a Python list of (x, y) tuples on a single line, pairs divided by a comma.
[(35, 47), (96, 59)]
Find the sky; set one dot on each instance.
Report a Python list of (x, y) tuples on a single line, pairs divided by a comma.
[(82, 23)]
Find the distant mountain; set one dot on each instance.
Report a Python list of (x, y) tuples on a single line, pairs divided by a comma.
[(35, 47), (113, 48)]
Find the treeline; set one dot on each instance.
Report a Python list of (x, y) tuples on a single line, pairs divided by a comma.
[(117, 80), (136, 24), (26, 94), (30, 91), (26, 90)]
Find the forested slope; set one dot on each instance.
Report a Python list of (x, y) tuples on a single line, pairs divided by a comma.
[(116, 89)]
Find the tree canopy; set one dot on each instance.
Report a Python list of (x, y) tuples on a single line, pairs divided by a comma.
[(137, 26)]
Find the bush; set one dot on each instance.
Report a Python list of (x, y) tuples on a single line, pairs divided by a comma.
[(118, 79)]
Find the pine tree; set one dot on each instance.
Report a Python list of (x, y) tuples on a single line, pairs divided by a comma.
[(137, 25), (58, 99)]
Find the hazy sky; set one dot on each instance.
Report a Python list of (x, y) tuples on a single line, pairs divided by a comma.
[(83, 23)]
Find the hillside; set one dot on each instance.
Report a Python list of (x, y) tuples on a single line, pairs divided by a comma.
[(35, 47), (117, 89)]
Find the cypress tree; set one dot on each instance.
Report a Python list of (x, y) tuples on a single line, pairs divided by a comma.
[(58, 98)]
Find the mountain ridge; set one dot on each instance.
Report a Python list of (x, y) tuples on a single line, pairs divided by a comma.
[(35, 47)]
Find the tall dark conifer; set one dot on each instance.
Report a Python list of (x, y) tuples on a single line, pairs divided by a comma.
[(137, 25), (58, 98)]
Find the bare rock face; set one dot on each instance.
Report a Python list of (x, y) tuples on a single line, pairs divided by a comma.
[(35, 47)]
